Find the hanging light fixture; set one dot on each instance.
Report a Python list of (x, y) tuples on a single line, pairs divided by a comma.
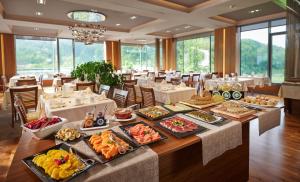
[(87, 32)]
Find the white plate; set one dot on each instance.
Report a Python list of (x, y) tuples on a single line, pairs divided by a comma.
[(94, 128), (133, 116)]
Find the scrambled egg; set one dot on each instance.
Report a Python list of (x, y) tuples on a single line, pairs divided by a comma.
[(58, 164)]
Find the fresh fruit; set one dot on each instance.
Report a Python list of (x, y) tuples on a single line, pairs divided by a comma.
[(36, 124)]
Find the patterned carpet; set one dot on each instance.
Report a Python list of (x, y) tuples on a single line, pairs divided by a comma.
[(9, 137)]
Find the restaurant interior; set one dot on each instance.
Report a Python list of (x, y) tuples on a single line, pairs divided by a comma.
[(150, 90)]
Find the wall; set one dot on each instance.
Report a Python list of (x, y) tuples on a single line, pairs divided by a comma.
[(8, 56)]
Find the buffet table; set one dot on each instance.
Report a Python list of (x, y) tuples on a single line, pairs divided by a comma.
[(179, 159), (214, 83)]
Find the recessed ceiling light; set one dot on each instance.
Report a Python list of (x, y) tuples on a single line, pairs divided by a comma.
[(188, 26), (168, 31), (38, 13), (254, 11), (36, 28), (232, 6), (141, 40), (42, 2), (118, 24), (177, 29), (133, 17)]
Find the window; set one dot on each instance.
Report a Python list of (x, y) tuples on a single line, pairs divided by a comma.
[(36, 55), (194, 54), (138, 57), (85, 53), (66, 55), (263, 49)]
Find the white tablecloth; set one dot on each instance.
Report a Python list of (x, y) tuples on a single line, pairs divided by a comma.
[(75, 113), (13, 80), (258, 80), (290, 90), (213, 83), (171, 96), (6, 97)]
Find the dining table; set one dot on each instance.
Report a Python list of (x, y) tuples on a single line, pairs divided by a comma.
[(13, 80)]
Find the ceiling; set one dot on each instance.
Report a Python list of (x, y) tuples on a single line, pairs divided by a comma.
[(153, 17)]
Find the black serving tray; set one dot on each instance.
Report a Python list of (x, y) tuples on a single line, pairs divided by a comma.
[(124, 129), (102, 159), (40, 172), (199, 130), (176, 112), (157, 118)]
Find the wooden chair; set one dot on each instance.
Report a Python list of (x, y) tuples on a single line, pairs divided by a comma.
[(145, 71), (22, 82), (132, 99), (132, 82), (66, 80), (148, 97), (21, 111), (136, 76), (159, 79), (161, 73), (186, 79), (120, 97), (195, 77), (4, 84), (29, 96), (83, 86), (151, 74), (178, 73), (105, 89), (175, 81), (126, 76)]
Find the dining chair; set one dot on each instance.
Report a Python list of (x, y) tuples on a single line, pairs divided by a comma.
[(133, 82), (136, 76), (31, 81), (151, 74), (132, 99), (20, 109), (186, 79), (145, 71), (29, 96), (66, 80), (175, 81), (120, 97), (178, 73), (159, 79), (161, 73), (148, 97), (195, 80), (105, 89), (83, 86), (4, 84), (126, 76)]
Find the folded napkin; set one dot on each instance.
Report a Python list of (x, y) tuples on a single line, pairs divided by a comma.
[(269, 119)]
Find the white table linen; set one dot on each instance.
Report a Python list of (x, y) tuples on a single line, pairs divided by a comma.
[(213, 83), (258, 80), (268, 119), (290, 90)]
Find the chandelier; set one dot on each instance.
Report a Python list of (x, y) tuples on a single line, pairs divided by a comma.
[(87, 33)]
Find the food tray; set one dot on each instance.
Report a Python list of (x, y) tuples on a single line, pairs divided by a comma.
[(199, 130), (156, 118), (235, 115), (101, 158), (40, 172), (182, 111), (123, 128), (200, 106), (217, 120)]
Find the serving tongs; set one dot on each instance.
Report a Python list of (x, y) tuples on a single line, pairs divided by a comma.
[(86, 161), (121, 149)]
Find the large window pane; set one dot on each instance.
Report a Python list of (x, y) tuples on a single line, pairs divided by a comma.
[(66, 55), (138, 57), (254, 52), (193, 55), (85, 53), (278, 58), (36, 55)]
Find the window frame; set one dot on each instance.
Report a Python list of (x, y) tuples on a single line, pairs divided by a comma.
[(270, 34)]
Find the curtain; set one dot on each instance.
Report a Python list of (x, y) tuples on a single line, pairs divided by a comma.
[(113, 53), (8, 56)]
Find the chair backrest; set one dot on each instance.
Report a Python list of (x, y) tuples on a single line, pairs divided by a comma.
[(185, 78), (148, 97), (208, 76), (175, 81), (161, 73), (120, 97), (195, 77), (20, 109), (159, 78), (132, 82), (105, 89), (83, 86), (66, 80), (126, 76), (131, 96), (146, 71), (151, 74), (22, 82), (178, 73), (29, 96), (137, 76)]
